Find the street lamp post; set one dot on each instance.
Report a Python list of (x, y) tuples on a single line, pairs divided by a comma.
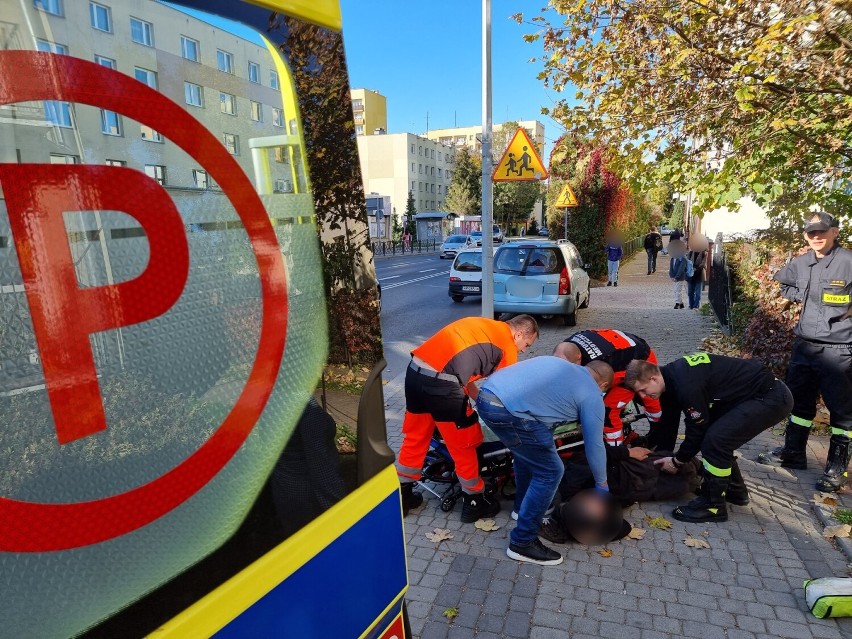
[(487, 168)]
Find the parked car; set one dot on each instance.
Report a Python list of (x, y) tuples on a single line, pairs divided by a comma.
[(476, 236), (665, 229), (543, 232), (498, 234), (466, 274), (540, 277), (454, 244)]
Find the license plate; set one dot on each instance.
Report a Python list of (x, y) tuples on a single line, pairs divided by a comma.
[(470, 289)]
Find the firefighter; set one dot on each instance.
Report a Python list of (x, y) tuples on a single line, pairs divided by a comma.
[(821, 362), (727, 402), (438, 385), (618, 349)]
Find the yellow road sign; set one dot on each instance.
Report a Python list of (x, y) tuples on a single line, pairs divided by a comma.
[(566, 199), (520, 161)]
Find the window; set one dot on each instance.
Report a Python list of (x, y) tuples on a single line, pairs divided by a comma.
[(51, 47), (359, 130), (58, 113), (412, 167), (116, 163), (156, 172), (105, 62), (412, 186), (49, 6), (412, 148), (232, 143), (193, 94), (56, 158), (419, 150), (254, 72), (277, 117), (100, 17), (420, 169), (439, 156), (357, 104), (439, 172), (150, 134), (199, 178), (110, 122), (189, 48), (227, 103), (420, 186), (141, 32), (281, 155), (146, 77), (433, 154), (256, 111), (225, 61), (283, 186), (273, 80)]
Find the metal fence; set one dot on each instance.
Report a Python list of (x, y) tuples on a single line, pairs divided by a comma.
[(719, 287), (392, 247), (632, 246)]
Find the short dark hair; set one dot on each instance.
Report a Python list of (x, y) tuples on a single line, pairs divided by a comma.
[(524, 323), (639, 370)]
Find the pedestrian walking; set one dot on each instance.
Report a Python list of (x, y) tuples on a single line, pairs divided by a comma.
[(653, 244), (698, 256), (438, 385), (726, 402), (521, 404), (614, 251), (679, 272), (821, 361)]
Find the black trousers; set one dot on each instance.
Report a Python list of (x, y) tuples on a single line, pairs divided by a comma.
[(652, 259), (821, 368), (742, 423)]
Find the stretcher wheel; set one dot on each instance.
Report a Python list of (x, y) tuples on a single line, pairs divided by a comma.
[(448, 504)]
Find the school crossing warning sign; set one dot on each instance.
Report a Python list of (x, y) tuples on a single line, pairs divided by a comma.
[(566, 199), (520, 161)]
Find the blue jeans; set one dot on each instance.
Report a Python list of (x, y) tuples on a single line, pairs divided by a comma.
[(612, 270), (652, 259), (693, 291), (538, 468)]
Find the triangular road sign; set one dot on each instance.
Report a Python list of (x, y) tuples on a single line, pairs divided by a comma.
[(566, 199), (520, 161)]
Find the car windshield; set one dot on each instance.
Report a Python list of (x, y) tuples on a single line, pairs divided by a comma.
[(471, 261), (496, 229), (529, 260), (476, 234), (456, 239)]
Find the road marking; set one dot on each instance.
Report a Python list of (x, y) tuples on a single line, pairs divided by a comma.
[(417, 279), (389, 277), (427, 270)]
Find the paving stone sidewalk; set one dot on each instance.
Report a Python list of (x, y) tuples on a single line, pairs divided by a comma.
[(748, 585)]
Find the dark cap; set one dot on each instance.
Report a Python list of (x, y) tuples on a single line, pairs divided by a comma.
[(820, 222)]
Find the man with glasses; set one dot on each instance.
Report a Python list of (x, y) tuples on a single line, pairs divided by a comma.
[(821, 362)]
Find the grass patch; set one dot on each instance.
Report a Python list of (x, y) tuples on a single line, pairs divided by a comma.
[(347, 439), (843, 515), (343, 378)]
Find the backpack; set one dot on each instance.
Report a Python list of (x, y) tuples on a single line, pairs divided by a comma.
[(658, 242), (690, 267)]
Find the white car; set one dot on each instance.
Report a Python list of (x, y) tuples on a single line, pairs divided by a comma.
[(454, 244), (466, 274)]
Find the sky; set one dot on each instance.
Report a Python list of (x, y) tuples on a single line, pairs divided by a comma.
[(426, 59)]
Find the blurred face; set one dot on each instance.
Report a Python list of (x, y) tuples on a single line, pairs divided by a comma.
[(652, 387), (523, 341), (822, 241)]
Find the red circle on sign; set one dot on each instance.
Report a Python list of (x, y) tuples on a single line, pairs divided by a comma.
[(39, 527)]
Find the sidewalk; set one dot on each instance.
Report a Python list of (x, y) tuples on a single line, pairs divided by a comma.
[(747, 585)]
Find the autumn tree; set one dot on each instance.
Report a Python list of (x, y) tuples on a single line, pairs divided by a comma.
[(464, 197), (726, 97)]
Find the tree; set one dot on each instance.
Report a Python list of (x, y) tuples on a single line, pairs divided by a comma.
[(410, 212), (464, 196), (726, 97)]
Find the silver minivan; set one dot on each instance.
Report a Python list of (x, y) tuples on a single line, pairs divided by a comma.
[(540, 277)]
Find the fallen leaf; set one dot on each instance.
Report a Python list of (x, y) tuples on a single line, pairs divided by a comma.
[(637, 533), (486, 524), (706, 533), (660, 523), (695, 542), (841, 530), (451, 613), (439, 535), (825, 499), (606, 552)]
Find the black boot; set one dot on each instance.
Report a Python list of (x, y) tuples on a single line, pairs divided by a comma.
[(478, 506), (792, 454), (710, 503), (737, 492), (834, 477), (410, 499)]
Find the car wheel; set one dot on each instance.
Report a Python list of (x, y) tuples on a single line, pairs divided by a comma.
[(585, 303), (457, 298), (441, 256)]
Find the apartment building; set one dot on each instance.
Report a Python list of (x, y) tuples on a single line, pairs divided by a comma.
[(394, 164), (370, 111), (470, 136)]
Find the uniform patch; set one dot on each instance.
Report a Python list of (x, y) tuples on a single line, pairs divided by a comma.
[(697, 358), (838, 282), (695, 415), (830, 298)]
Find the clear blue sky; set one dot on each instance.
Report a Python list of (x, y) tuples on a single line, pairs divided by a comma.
[(427, 58)]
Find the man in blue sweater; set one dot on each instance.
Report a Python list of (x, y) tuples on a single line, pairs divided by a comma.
[(521, 404)]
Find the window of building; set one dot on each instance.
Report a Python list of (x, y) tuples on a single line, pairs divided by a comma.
[(105, 62), (232, 143), (145, 76), (439, 189), (100, 17), (116, 163), (49, 6), (51, 47), (110, 122), (150, 135), (433, 188), (420, 169), (199, 178), (193, 94), (439, 172), (420, 186), (412, 167), (254, 72), (225, 61), (273, 80), (58, 158), (189, 48), (412, 186), (433, 154), (156, 172), (419, 150), (256, 111), (58, 113), (227, 103), (281, 155), (142, 32), (439, 156), (359, 130), (283, 186), (358, 104), (277, 117), (412, 148)]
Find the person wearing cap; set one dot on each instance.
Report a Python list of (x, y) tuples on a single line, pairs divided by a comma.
[(726, 402), (521, 404), (438, 384), (821, 361), (618, 349)]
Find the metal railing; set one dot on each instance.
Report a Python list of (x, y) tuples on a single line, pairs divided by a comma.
[(632, 246), (719, 290), (394, 247)]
